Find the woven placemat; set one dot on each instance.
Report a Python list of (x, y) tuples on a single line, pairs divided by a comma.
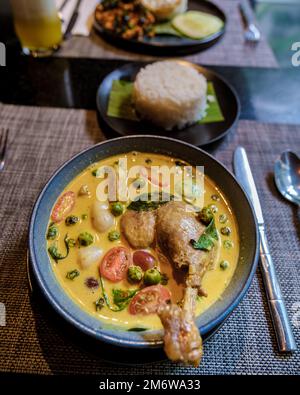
[(232, 50), (40, 140)]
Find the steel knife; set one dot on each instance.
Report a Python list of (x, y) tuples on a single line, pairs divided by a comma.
[(281, 322)]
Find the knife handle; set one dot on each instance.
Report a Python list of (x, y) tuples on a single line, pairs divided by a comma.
[(285, 338)]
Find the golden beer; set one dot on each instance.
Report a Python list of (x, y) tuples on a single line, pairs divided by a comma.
[(37, 25)]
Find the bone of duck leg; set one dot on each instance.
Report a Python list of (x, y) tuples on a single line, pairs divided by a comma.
[(182, 341)]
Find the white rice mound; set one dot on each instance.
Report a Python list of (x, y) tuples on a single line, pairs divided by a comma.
[(170, 94)]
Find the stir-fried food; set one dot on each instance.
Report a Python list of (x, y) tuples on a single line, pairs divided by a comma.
[(127, 18), (148, 263)]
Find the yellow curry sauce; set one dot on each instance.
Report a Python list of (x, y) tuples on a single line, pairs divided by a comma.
[(214, 282)]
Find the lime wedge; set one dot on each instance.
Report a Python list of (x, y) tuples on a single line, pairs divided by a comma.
[(197, 24)]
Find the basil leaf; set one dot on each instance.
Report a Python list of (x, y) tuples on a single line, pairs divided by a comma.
[(144, 202), (121, 298), (55, 254), (207, 240)]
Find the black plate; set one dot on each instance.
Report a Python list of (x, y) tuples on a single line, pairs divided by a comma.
[(198, 134), (164, 45)]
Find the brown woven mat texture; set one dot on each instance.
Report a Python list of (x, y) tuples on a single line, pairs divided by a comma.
[(232, 50), (40, 140)]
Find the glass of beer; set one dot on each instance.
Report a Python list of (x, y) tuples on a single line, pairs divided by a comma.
[(38, 26)]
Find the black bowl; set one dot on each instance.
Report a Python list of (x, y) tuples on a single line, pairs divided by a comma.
[(90, 325)]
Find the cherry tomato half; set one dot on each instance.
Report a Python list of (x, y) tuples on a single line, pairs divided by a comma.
[(115, 264), (149, 299), (143, 259), (63, 206)]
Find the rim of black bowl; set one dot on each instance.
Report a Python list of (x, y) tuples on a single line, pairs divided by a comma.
[(111, 339)]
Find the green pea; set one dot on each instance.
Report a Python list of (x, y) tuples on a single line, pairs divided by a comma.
[(71, 220), (85, 239), (116, 209), (152, 277), (52, 233), (72, 274), (135, 274), (223, 218), (224, 265), (206, 215), (215, 198), (226, 231), (113, 235), (213, 208)]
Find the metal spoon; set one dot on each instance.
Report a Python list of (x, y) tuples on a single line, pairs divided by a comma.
[(287, 176), (252, 33)]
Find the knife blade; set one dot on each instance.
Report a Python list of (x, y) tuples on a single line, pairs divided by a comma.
[(281, 322), (73, 20)]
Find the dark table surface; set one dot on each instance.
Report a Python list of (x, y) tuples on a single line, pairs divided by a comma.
[(267, 95)]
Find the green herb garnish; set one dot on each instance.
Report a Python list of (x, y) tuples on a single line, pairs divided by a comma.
[(85, 239), (55, 254), (137, 329), (144, 202), (52, 232), (113, 235), (121, 298), (207, 240), (99, 303), (73, 274)]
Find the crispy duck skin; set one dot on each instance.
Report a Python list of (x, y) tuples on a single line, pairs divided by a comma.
[(176, 226)]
